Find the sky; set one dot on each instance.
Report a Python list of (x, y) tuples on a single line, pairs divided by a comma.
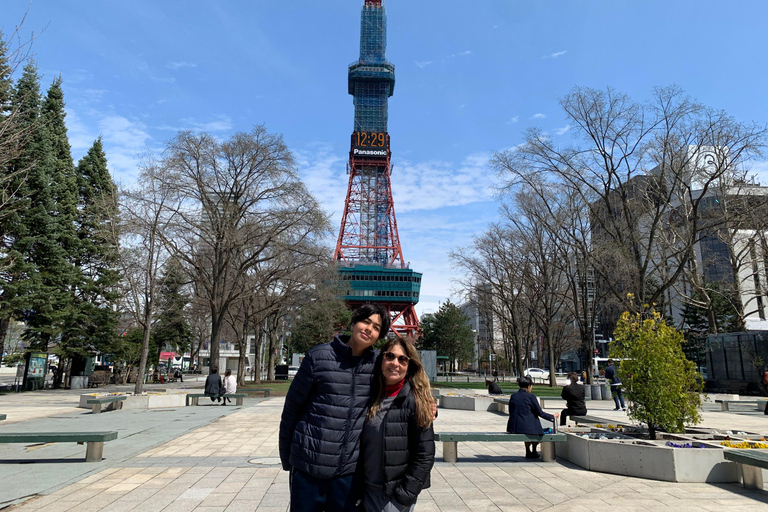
[(471, 77)]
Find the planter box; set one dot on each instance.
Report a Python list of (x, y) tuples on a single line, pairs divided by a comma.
[(650, 460), (467, 403)]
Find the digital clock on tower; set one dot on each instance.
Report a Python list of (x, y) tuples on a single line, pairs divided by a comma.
[(377, 140)]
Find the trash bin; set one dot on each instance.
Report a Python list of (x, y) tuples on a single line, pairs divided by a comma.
[(587, 391), (606, 387), (596, 393)]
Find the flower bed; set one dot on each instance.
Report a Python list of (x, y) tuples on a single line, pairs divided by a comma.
[(620, 454)]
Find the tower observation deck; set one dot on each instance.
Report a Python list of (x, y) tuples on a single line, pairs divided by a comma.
[(368, 248)]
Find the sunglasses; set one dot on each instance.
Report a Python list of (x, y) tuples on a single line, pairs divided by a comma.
[(403, 360)]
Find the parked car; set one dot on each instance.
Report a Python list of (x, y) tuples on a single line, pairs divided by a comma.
[(292, 371), (536, 373)]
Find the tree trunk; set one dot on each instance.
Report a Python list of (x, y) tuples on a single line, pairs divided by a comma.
[(139, 387), (216, 323), (242, 358), (272, 346), (257, 359), (551, 353), (4, 323)]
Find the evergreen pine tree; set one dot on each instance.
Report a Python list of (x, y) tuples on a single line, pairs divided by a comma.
[(172, 329), (20, 277), (93, 320), (51, 227)]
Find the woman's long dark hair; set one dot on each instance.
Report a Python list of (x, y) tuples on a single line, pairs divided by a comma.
[(416, 375)]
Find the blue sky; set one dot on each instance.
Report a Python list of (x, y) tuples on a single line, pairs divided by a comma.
[(471, 77)]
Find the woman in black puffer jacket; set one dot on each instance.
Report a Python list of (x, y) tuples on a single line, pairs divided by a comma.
[(397, 444)]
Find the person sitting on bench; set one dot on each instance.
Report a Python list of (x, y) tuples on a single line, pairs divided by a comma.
[(524, 414), (573, 394), (493, 387)]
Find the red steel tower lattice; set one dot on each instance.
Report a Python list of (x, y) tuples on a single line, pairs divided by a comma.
[(368, 237)]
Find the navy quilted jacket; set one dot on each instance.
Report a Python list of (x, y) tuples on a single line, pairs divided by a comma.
[(325, 409)]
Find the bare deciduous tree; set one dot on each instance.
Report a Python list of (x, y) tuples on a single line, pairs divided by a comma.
[(240, 204)]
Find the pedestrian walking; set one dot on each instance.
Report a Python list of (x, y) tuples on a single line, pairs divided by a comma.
[(610, 374)]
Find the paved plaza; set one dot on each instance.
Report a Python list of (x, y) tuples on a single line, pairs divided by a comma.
[(212, 458)]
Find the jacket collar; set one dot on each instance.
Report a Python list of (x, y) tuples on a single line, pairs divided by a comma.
[(341, 346)]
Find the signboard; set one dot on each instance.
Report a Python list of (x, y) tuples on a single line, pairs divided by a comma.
[(36, 368), (370, 144)]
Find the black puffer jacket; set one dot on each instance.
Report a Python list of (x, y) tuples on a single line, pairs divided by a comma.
[(325, 409), (409, 450)]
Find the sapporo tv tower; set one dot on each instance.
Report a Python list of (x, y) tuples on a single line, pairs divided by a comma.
[(368, 249)]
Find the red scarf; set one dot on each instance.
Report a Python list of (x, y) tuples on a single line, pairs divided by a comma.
[(394, 389)]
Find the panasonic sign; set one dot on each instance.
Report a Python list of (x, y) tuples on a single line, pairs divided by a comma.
[(369, 152)]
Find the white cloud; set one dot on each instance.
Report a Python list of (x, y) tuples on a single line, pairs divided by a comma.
[(561, 131), (179, 65), (80, 137), (461, 54), (538, 116), (423, 63), (758, 170), (513, 120), (436, 184), (124, 139), (555, 55), (222, 123)]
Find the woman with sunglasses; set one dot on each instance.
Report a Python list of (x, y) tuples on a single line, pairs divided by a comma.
[(397, 444)]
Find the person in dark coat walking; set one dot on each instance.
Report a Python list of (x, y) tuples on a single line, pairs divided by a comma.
[(573, 394), (524, 414), (397, 446), (213, 386), (324, 413), (610, 374)]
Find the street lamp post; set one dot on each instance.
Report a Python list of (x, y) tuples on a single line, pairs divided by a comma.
[(477, 351)]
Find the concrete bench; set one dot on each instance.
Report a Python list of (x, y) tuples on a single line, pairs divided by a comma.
[(451, 440), (192, 398), (750, 464), (96, 403), (594, 420), (502, 401), (550, 400), (725, 404), (266, 391), (95, 440)]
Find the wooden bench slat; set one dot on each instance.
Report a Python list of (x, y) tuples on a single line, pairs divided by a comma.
[(106, 399), (204, 395), (497, 437), (57, 437), (753, 457)]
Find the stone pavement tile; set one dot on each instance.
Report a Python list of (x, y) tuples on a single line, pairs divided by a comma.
[(209, 509), (535, 504), (158, 482), (80, 495), (481, 504), (252, 494), (218, 499), (243, 505), (506, 501), (274, 500), (229, 487)]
